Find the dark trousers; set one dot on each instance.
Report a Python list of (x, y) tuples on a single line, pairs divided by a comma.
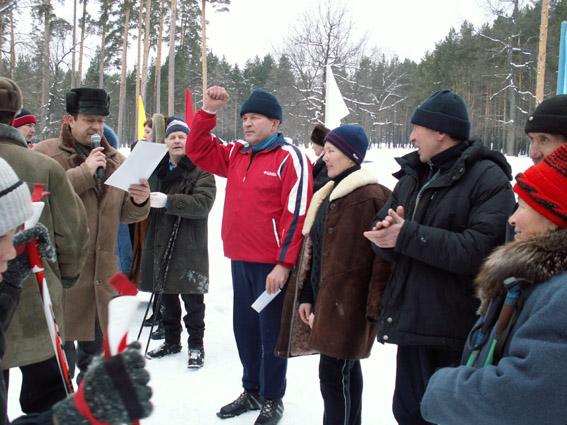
[(194, 319), (257, 334), (42, 386), (341, 388), (83, 353), (415, 365)]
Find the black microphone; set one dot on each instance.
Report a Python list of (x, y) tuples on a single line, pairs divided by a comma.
[(99, 174)]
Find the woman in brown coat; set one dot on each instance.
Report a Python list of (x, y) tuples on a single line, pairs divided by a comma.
[(333, 302)]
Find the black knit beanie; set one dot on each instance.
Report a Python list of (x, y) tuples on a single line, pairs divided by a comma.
[(446, 112), (262, 102), (549, 117)]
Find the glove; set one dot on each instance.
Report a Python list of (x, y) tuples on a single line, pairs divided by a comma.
[(114, 391), (158, 200), (19, 268)]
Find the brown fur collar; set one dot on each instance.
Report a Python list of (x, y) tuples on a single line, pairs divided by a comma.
[(350, 183), (536, 259), (68, 142)]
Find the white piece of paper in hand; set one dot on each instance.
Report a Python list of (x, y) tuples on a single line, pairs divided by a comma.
[(140, 164), (263, 300)]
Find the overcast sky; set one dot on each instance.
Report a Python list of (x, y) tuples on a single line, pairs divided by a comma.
[(407, 28)]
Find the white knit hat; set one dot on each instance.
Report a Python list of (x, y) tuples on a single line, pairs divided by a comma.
[(15, 199)]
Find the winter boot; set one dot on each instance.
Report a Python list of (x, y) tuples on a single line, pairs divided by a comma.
[(159, 333), (163, 350), (271, 412), (248, 400), (196, 358), (150, 320)]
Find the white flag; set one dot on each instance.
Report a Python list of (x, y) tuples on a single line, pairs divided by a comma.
[(335, 107)]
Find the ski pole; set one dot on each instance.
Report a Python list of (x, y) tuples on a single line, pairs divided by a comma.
[(162, 275), (512, 286), (36, 264)]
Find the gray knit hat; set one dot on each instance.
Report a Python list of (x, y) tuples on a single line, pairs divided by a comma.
[(15, 199)]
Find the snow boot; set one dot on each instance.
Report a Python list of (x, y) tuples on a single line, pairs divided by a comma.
[(248, 400), (271, 412), (163, 350), (196, 358), (159, 333)]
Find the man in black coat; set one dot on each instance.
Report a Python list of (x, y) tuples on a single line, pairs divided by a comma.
[(181, 199), (447, 212)]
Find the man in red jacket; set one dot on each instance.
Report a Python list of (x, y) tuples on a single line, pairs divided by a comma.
[(269, 187)]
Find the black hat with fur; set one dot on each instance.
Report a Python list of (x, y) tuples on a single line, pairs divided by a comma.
[(88, 101), (318, 134)]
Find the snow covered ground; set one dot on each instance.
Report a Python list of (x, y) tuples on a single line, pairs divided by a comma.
[(183, 396)]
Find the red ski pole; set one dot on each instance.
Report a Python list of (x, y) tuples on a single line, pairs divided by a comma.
[(36, 264)]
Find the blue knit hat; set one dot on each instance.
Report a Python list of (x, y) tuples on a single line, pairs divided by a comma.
[(446, 112), (175, 124), (110, 136), (262, 102), (350, 140)]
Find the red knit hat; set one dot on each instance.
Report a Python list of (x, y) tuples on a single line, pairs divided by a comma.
[(544, 186), (23, 118)]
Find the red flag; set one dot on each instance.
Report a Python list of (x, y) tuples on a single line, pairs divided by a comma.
[(189, 113)]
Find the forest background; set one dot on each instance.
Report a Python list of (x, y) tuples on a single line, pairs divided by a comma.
[(493, 67)]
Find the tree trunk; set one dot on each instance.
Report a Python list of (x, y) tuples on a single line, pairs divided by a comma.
[(146, 51), (81, 50), (102, 47), (45, 64), (138, 64), (158, 59), (541, 59), (171, 70), (122, 100), (73, 64), (12, 47), (204, 47), (511, 121)]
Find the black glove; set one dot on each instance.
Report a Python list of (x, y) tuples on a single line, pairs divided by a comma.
[(19, 268), (115, 391)]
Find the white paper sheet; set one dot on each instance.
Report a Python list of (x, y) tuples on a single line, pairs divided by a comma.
[(140, 164), (263, 300)]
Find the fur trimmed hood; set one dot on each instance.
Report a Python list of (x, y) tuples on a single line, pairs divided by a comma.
[(350, 183), (536, 259)]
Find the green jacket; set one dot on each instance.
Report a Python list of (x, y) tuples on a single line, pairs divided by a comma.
[(65, 217)]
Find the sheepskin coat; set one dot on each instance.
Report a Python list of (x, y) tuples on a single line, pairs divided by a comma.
[(529, 383), (106, 209), (352, 277)]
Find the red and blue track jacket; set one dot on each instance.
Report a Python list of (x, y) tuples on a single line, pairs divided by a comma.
[(267, 195)]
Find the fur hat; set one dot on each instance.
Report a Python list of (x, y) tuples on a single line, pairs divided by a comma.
[(318, 134), (544, 186), (15, 199), (10, 96), (262, 102), (350, 140), (446, 112), (23, 118), (549, 117), (88, 101), (174, 123)]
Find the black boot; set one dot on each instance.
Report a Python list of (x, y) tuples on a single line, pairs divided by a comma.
[(159, 333), (248, 400), (196, 358), (271, 413), (164, 349)]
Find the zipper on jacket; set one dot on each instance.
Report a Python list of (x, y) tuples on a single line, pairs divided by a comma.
[(420, 193)]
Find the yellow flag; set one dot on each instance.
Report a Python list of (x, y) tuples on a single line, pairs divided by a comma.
[(141, 119)]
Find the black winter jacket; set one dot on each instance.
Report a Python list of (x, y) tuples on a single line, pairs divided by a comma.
[(190, 195), (451, 226)]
